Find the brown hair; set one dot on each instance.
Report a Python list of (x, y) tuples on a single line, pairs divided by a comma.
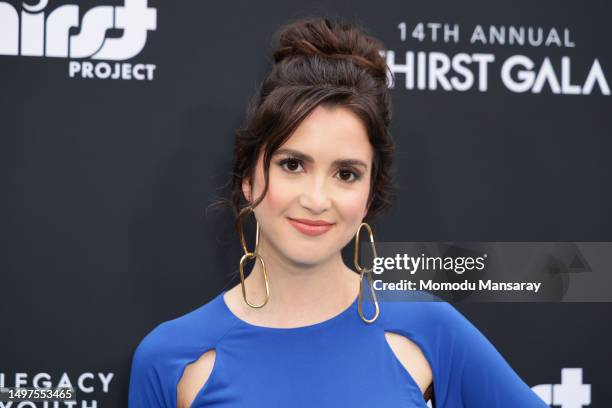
[(317, 62)]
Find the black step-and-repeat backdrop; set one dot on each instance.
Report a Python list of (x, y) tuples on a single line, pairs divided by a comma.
[(116, 133)]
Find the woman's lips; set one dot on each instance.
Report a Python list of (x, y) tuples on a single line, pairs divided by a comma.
[(308, 229)]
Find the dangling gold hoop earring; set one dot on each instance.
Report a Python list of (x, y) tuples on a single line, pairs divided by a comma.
[(251, 255), (367, 271)]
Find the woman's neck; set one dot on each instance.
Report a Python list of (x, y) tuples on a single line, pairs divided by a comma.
[(300, 294)]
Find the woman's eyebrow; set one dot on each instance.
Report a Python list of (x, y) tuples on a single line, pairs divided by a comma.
[(307, 158)]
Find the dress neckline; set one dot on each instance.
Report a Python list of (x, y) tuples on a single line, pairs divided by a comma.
[(345, 312)]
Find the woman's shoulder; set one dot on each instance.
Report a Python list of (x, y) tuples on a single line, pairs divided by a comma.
[(421, 310), (466, 366), (432, 323), (198, 328), (162, 354)]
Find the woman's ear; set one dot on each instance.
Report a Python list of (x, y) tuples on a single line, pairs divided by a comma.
[(246, 189)]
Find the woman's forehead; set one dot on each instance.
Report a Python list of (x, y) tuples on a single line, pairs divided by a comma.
[(331, 133)]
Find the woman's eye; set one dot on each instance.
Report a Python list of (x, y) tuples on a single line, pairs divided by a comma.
[(290, 164), (348, 175)]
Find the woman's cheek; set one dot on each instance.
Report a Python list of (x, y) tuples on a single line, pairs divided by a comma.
[(353, 210), (353, 204), (280, 193)]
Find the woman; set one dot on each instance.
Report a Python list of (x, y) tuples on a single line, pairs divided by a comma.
[(313, 162)]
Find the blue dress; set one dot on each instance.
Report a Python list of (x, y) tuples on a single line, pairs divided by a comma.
[(340, 362)]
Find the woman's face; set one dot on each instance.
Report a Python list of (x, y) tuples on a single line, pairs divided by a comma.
[(321, 173)]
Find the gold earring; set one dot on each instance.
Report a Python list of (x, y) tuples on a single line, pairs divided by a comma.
[(367, 271), (251, 255)]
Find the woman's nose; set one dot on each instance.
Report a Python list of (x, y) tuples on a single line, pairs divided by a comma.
[(315, 197)]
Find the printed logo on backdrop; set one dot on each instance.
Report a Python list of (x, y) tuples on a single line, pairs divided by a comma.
[(529, 71), (88, 386), (35, 31), (571, 393)]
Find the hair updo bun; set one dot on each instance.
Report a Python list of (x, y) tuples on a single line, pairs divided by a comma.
[(317, 62), (324, 39)]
